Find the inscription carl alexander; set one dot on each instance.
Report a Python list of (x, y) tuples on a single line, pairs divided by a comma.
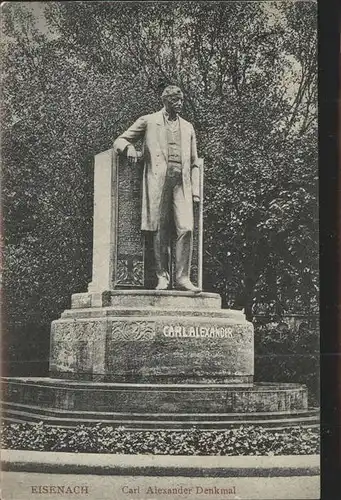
[(147, 330)]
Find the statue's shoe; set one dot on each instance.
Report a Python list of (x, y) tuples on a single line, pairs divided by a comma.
[(163, 284), (187, 285)]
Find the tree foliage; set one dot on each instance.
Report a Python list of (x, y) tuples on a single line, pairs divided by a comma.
[(248, 72)]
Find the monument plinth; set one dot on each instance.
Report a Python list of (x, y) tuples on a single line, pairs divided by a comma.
[(154, 336), (126, 354)]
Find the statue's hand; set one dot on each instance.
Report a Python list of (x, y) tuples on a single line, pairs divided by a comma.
[(196, 199), (131, 155)]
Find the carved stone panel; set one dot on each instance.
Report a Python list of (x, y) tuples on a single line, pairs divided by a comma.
[(195, 256), (132, 331), (129, 269), (132, 255)]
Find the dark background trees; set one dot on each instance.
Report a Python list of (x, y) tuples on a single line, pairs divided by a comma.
[(75, 74)]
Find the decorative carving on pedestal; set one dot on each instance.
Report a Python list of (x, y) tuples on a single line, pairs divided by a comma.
[(133, 331), (129, 272)]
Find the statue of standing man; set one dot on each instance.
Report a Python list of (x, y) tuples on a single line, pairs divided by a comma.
[(170, 166)]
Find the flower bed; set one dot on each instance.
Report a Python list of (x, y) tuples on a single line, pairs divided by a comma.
[(244, 440)]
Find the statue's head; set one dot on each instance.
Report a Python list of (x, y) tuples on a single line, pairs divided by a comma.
[(172, 98)]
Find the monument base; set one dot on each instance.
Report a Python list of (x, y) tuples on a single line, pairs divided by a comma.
[(149, 336), (155, 406), (147, 359)]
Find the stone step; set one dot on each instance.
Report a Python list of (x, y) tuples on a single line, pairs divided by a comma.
[(59, 383), (228, 314), (105, 386), (191, 399), (148, 422), (38, 410), (147, 298)]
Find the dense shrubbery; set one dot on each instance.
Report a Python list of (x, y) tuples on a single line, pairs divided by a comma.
[(288, 355), (245, 440)]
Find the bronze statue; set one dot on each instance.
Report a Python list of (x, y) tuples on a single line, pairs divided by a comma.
[(169, 187)]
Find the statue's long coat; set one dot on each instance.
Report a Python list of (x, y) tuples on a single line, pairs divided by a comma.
[(155, 152)]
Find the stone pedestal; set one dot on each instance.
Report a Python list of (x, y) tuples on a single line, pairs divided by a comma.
[(152, 336)]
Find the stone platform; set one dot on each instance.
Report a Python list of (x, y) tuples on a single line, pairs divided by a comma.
[(156, 406)]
